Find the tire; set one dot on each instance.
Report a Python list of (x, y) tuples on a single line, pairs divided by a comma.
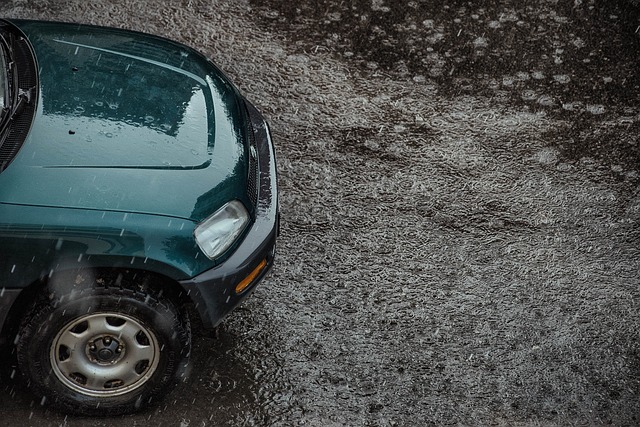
[(103, 350)]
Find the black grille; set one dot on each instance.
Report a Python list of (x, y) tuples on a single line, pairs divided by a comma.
[(24, 57), (18, 128), (252, 178), (15, 136)]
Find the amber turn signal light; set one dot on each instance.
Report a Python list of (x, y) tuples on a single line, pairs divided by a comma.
[(240, 287)]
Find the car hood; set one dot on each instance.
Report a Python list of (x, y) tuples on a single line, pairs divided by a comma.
[(129, 122)]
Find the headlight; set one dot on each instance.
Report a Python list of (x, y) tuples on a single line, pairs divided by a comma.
[(216, 233)]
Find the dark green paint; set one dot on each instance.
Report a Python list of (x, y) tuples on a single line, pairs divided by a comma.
[(127, 122), (46, 239), (135, 140)]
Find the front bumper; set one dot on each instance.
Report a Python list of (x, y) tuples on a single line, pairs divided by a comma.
[(214, 291)]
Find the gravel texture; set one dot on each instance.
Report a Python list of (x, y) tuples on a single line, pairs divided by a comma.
[(458, 247)]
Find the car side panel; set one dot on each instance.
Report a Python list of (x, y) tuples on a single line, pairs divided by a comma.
[(37, 241)]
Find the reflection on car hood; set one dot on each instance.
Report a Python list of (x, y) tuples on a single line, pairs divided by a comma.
[(130, 122)]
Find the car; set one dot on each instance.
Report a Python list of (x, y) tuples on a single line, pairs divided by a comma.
[(138, 194)]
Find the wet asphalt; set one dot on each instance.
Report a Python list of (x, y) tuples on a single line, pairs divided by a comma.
[(460, 200)]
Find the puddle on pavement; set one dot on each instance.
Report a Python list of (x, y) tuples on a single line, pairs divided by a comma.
[(575, 61), (447, 254)]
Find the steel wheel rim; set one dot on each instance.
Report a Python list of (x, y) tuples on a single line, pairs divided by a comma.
[(104, 354)]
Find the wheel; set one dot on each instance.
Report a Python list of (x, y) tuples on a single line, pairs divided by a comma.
[(103, 350)]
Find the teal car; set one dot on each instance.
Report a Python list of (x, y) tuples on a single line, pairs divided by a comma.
[(137, 194)]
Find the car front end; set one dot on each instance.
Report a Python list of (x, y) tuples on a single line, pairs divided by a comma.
[(134, 179), (218, 290)]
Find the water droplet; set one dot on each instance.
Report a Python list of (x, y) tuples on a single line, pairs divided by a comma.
[(596, 109), (480, 42), (579, 43), (538, 75), (572, 106), (529, 95), (562, 78), (547, 156), (546, 101)]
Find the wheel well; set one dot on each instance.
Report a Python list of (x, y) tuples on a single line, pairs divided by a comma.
[(62, 282)]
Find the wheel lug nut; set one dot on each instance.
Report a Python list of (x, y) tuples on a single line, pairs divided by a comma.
[(107, 340), (119, 349)]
